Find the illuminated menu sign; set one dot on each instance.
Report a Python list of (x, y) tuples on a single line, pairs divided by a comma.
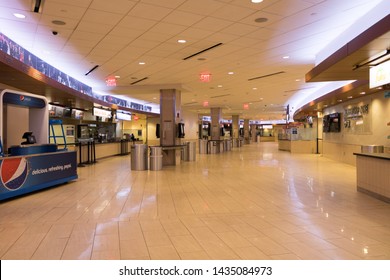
[(101, 113), (123, 116), (380, 75)]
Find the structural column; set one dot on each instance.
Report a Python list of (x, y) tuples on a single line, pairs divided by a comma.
[(246, 131), (216, 123), (170, 106), (235, 126)]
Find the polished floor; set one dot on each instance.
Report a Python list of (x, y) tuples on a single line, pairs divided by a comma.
[(254, 202)]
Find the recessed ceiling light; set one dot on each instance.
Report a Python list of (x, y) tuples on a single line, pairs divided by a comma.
[(219, 86), (255, 88), (261, 20), (350, 97), (286, 57), (231, 73), (257, 1), (117, 77), (298, 80), (141, 63), (19, 15), (58, 22), (181, 41), (154, 98), (363, 93), (340, 100)]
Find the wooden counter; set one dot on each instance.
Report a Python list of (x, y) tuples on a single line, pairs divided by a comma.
[(298, 146), (373, 176)]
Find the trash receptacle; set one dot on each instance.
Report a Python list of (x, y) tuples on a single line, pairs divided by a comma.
[(184, 152), (372, 149), (213, 147), (124, 147), (156, 158), (191, 148), (202, 146), (221, 146), (139, 157), (228, 145)]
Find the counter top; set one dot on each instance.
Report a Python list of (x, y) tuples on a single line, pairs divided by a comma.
[(170, 147), (385, 156)]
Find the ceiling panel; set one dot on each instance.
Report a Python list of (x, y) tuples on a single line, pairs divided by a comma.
[(149, 11), (201, 7), (182, 18), (117, 7), (118, 34)]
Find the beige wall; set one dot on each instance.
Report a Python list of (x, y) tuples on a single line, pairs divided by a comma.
[(341, 146), (133, 127), (17, 122)]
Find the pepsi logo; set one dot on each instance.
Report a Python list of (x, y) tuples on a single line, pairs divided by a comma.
[(14, 172), (21, 97)]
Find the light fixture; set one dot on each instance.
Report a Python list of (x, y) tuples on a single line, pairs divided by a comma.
[(256, 1), (141, 63), (374, 60), (363, 93), (230, 73), (181, 41), (91, 70), (286, 57), (350, 97), (19, 15)]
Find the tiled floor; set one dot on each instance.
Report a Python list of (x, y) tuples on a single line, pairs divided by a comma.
[(251, 203)]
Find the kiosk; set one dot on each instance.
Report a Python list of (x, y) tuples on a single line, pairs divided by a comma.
[(28, 162)]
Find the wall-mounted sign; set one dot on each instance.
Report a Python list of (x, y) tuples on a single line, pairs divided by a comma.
[(380, 75), (123, 116), (101, 113)]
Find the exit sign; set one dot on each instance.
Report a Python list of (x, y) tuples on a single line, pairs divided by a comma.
[(205, 78)]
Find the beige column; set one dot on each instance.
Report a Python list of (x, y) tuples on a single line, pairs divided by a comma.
[(246, 131), (235, 126), (170, 106), (215, 123)]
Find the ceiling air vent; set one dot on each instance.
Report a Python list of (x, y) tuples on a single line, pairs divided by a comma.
[(190, 103), (265, 76), (136, 82), (218, 96), (202, 51)]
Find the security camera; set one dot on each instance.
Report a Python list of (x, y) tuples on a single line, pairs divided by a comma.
[(54, 33)]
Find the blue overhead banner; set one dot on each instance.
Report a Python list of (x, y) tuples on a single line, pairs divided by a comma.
[(24, 174)]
